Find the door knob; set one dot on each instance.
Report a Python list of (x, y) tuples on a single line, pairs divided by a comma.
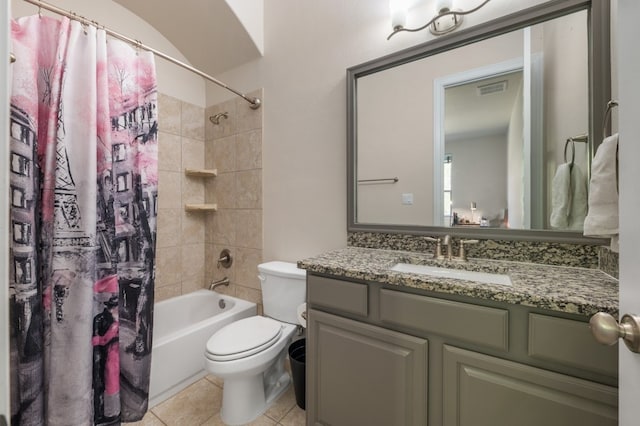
[(606, 330)]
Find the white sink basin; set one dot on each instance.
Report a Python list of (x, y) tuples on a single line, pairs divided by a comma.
[(458, 274)]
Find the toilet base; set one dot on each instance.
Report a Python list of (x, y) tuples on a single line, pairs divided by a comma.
[(246, 398)]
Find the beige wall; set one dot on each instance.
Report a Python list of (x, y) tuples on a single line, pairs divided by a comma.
[(234, 148)]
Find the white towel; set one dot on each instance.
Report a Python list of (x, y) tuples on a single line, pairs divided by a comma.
[(602, 218), (568, 198)]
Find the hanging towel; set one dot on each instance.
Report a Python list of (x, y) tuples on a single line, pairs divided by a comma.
[(569, 198), (579, 196), (602, 218), (560, 197)]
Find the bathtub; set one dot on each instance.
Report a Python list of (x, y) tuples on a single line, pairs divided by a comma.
[(181, 328)]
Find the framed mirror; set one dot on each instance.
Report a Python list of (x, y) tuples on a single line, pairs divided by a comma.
[(462, 135)]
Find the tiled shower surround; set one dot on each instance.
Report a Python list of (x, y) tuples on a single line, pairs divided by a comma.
[(180, 235), (189, 243), (234, 147)]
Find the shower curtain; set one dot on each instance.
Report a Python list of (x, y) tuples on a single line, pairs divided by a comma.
[(83, 224)]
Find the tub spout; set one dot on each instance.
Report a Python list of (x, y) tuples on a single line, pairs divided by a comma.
[(215, 284)]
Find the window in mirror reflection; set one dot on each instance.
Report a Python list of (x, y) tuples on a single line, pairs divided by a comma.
[(446, 183)]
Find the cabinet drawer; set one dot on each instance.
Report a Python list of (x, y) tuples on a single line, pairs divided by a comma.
[(570, 343), (475, 324), (345, 296)]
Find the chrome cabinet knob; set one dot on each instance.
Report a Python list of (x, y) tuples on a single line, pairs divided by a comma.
[(606, 330)]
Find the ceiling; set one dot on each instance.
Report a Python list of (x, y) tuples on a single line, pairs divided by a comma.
[(207, 32), (467, 113)]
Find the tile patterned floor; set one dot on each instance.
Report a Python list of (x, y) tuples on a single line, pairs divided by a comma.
[(199, 405)]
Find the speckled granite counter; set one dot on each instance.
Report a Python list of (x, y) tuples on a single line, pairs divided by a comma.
[(557, 288)]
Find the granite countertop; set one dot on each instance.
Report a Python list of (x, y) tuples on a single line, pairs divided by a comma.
[(558, 288)]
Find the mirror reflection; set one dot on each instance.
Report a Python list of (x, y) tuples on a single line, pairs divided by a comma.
[(482, 132), (472, 137)]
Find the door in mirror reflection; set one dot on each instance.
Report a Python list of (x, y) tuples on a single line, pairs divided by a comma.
[(483, 131)]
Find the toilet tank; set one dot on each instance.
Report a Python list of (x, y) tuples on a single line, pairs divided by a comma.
[(284, 288)]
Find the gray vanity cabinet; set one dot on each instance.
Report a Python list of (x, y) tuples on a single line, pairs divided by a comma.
[(481, 390), (388, 355), (365, 375)]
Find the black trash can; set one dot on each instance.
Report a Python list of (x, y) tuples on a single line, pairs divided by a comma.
[(297, 354)]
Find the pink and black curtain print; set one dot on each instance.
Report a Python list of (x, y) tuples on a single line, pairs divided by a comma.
[(83, 224)]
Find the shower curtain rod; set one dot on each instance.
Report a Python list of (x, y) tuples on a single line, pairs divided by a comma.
[(254, 102)]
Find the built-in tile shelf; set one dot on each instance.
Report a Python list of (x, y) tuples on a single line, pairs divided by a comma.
[(204, 173), (201, 207)]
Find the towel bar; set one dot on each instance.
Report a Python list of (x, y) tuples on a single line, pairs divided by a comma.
[(390, 180), (580, 138), (607, 116)]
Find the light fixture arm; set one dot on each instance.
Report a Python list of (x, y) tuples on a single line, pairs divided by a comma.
[(455, 13)]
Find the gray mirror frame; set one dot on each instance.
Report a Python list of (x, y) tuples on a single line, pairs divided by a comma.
[(599, 89)]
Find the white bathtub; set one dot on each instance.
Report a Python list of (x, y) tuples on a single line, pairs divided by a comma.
[(181, 328)]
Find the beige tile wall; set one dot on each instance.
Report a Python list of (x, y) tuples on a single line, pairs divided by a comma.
[(234, 147), (190, 242), (180, 260)]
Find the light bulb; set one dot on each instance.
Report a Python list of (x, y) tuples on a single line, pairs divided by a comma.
[(398, 11), (444, 4)]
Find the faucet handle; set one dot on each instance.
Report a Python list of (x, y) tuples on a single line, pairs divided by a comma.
[(438, 252), (462, 255), (225, 260), (469, 241)]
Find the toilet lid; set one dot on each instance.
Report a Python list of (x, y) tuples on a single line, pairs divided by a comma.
[(243, 338)]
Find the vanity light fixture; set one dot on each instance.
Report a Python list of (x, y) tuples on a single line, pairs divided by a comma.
[(446, 20), (398, 11)]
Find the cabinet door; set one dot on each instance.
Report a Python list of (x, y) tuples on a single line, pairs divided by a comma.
[(359, 374), (480, 390)]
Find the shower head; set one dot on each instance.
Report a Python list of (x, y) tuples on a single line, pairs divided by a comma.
[(215, 119)]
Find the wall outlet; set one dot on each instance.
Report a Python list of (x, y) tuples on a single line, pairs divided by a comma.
[(407, 199)]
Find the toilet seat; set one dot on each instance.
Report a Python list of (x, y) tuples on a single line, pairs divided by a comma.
[(243, 338)]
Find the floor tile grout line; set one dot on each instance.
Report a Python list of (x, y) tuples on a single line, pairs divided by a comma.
[(209, 418), (158, 417)]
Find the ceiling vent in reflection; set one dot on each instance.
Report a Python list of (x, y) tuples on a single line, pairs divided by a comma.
[(491, 88)]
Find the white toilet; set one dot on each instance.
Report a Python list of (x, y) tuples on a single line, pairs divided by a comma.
[(249, 354)]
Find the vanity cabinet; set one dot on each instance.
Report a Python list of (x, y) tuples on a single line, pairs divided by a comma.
[(390, 355), (481, 390), (365, 375)]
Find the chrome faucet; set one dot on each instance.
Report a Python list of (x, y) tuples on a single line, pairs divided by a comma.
[(216, 284)]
